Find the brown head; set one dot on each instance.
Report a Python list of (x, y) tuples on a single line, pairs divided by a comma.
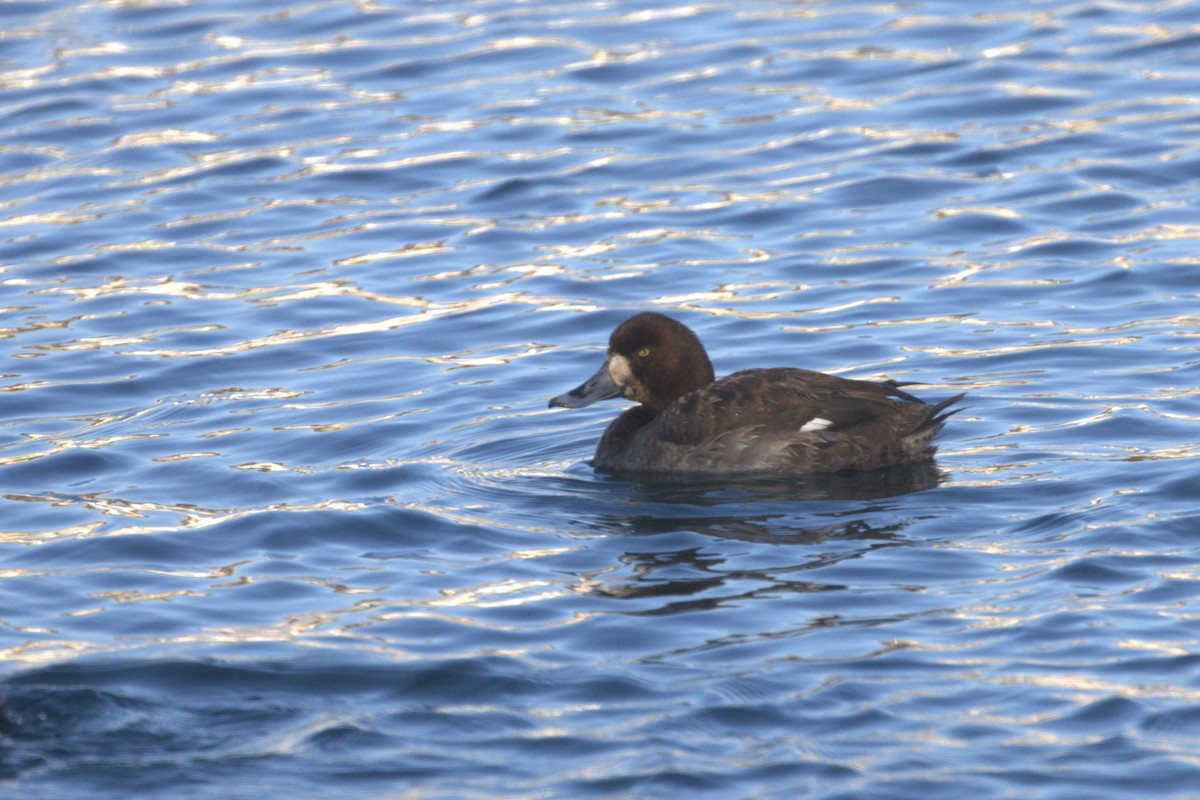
[(652, 359)]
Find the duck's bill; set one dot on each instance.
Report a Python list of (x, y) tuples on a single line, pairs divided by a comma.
[(596, 388)]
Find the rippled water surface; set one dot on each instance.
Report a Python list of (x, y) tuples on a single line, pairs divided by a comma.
[(285, 288)]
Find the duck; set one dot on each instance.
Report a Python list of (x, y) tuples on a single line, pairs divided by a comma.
[(777, 420)]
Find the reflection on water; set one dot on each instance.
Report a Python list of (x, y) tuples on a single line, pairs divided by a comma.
[(717, 491), (285, 288), (807, 512)]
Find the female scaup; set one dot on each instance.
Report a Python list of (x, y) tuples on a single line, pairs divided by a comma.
[(779, 420)]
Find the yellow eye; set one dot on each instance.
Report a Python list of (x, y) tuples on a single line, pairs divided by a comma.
[(645, 351)]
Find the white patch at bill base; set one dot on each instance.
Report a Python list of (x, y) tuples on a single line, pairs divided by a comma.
[(619, 371)]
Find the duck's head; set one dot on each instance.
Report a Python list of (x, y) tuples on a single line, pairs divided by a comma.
[(652, 359)]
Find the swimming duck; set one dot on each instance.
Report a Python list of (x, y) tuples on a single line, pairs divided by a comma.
[(776, 420)]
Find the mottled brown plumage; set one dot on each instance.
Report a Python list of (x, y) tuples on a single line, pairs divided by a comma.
[(777, 420)]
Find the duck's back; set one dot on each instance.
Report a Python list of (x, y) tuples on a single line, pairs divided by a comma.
[(775, 420)]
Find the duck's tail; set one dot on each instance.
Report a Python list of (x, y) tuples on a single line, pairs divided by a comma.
[(919, 442)]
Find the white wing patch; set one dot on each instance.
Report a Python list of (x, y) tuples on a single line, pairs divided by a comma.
[(815, 424)]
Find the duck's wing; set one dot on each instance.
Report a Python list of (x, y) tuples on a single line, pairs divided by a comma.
[(782, 401)]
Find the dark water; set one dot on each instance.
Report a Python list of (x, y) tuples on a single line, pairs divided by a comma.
[(286, 289)]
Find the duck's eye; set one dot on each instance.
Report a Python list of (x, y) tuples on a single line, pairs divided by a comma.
[(645, 351)]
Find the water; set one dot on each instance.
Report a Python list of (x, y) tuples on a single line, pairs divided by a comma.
[(286, 288)]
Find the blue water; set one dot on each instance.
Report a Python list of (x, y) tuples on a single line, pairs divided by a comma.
[(285, 288)]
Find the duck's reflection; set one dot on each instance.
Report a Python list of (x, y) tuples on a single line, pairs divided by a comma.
[(890, 482), (833, 509)]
